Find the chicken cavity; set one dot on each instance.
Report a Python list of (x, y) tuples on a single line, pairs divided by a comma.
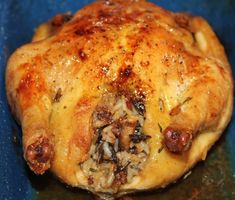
[(120, 148)]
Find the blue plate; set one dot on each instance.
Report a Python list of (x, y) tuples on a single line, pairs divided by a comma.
[(212, 179)]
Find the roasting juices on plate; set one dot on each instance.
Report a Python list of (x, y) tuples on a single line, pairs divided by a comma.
[(122, 96)]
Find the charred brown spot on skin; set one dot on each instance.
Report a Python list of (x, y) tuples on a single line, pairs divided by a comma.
[(60, 19), (84, 30), (103, 15), (106, 17), (118, 133), (144, 64), (117, 17), (125, 74), (175, 111), (82, 55), (176, 140), (31, 86), (182, 19), (104, 69), (38, 154)]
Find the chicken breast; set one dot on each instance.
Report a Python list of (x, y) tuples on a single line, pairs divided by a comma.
[(123, 96)]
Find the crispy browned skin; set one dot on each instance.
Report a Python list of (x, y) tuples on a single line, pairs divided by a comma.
[(169, 70)]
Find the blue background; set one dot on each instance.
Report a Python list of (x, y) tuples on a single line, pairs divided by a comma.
[(18, 19)]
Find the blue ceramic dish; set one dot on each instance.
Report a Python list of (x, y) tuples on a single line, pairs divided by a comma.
[(18, 19)]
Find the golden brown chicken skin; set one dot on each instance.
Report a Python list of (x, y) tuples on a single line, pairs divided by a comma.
[(123, 96)]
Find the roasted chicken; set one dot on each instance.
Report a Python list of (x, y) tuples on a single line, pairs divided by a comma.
[(122, 96)]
